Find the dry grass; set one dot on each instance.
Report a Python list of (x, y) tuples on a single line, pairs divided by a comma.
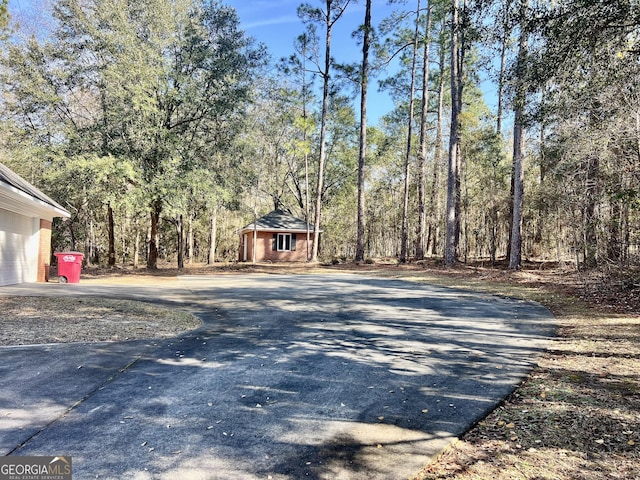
[(33, 320)]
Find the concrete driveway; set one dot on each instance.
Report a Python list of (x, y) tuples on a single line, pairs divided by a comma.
[(290, 377)]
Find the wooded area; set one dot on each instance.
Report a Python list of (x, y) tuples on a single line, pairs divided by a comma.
[(163, 128)]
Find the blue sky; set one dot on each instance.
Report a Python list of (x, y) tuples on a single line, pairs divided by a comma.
[(276, 24)]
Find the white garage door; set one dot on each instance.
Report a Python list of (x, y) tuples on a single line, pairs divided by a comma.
[(18, 248)]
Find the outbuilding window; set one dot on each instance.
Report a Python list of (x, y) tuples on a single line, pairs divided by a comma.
[(284, 242)]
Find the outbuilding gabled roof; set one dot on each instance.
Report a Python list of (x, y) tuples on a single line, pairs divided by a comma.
[(278, 220), (20, 190)]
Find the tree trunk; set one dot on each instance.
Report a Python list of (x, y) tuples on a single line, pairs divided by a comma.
[(432, 237), (422, 155), (493, 246), (511, 196), (72, 235), (307, 208), (123, 241), (405, 206), (255, 237), (111, 235), (541, 213), (180, 240), (515, 257), (614, 252), (404, 234), (453, 177), (590, 227), (213, 231), (307, 213), (136, 244), (152, 258), (506, 33), (626, 236), (638, 136), (326, 78), (91, 250), (364, 82), (321, 160), (190, 240)]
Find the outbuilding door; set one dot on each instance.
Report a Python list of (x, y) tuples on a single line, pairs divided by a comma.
[(18, 248)]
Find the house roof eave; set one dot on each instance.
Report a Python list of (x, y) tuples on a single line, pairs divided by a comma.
[(275, 230), (18, 195), (18, 201), (278, 221)]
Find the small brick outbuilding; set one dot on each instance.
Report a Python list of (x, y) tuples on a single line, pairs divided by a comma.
[(276, 237)]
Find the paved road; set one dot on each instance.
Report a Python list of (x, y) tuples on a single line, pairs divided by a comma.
[(290, 377)]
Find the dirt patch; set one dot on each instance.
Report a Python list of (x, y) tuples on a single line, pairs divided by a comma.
[(34, 320)]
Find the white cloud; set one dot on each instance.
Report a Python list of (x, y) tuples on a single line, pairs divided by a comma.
[(265, 22)]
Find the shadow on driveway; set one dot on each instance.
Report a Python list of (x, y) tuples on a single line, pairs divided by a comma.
[(291, 376)]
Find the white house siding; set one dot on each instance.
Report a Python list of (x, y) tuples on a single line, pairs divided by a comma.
[(19, 242)]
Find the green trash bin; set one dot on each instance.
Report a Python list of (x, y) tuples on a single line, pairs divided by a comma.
[(69, 266)]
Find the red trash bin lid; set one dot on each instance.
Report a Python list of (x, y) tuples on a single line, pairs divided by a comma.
[(69, 256)]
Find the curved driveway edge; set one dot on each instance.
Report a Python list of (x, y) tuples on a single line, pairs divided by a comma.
[(291, 376)]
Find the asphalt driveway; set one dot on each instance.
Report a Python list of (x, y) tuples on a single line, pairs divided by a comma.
[(290, 377)]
